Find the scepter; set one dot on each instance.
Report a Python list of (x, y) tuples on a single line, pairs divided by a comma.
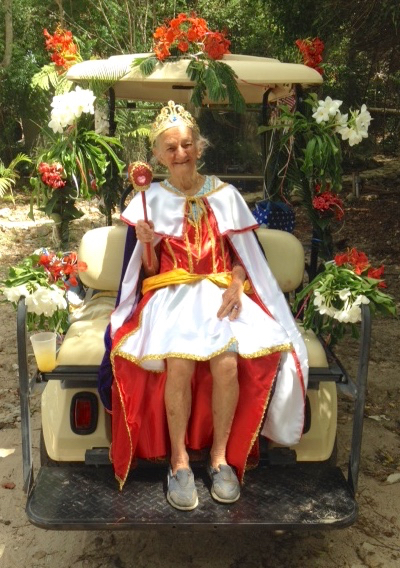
[(141, 175)]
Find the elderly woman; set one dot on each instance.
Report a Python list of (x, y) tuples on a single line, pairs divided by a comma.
[(197, 355)]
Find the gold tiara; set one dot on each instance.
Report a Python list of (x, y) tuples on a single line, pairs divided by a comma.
[(170, 116)]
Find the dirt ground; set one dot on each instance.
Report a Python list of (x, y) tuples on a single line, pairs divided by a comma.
[(372, 225)]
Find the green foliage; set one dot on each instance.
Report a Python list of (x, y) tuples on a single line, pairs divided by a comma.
[(9, 175), (217, 80)]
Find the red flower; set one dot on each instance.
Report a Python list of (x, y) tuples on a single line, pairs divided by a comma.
[(311, 50), (357, 261), (51, 174), (183, 46), (185, 32), (216, 45), (61, 43), (328, 202), (377, 274)]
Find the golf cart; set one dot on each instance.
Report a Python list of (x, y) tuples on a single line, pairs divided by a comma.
[(292, 488)]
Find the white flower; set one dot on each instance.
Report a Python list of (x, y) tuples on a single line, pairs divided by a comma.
[(69, 106), (357, 127), (318, 299), (363, 118), (327, 310), (361, 299), (341, 121), (326, 109), (55, 125), (344, 294), (352, 135), (13, 294), (46, 301)]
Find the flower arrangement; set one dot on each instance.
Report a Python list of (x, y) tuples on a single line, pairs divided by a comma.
[(189, 36), (312, 138), (331, 302), (43, 278), (75, 159)]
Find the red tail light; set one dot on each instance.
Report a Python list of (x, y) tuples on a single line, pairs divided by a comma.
[(84, 413)]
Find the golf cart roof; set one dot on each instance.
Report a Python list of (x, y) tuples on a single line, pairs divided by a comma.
[(169, 80)]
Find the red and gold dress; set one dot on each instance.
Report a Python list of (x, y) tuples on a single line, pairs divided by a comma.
[(177, 317)]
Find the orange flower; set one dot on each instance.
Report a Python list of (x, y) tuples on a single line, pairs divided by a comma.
[(216, 45), (186, 34), (61, 43), (183, 46)]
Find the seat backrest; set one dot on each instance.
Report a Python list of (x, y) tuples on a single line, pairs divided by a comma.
[(285, 255), (103, 250)]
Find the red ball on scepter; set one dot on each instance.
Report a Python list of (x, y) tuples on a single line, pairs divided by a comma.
[(141, 175)]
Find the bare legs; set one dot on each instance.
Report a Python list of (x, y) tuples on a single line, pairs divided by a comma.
[(178, 401)]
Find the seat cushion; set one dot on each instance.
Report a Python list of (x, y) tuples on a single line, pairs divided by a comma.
[(315, 350), (83, 343)]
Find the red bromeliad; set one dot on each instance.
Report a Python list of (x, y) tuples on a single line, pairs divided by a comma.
[(327, 202), (189, 33), (51, 174), (61, 43), (311, 50)]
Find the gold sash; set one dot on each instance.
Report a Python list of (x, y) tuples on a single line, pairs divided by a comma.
[(182, 276)]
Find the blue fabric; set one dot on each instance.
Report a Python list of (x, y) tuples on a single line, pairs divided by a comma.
[(275, 215), (105, 376)]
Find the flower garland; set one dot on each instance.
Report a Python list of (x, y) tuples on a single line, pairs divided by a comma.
[(331, 303), (75, 160), (190, 36), (43, 278)]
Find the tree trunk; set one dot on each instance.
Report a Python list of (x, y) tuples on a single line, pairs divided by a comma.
[(8, 36), (61, 13)]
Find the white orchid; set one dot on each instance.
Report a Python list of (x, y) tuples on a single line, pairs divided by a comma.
[(68, 107), (326, 109)]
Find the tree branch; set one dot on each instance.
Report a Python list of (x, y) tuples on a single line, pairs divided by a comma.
[(8, 37)]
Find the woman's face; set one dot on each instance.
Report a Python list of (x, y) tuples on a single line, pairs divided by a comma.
[(176, 149)]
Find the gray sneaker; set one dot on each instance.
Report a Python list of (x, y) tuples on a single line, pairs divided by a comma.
[(225, 484), (181, 491)]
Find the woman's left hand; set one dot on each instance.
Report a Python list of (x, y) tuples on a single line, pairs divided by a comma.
[(231, 301)]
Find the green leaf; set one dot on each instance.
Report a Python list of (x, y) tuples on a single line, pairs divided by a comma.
[(146, 65)]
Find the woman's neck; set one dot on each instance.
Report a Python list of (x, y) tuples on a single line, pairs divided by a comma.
[(189, 185)]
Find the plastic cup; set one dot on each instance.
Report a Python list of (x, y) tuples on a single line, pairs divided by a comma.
[(44, 349)]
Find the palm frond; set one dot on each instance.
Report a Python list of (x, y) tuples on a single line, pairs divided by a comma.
[(6, 184)]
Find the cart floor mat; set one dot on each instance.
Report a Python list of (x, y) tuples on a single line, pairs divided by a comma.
[(278, 497)]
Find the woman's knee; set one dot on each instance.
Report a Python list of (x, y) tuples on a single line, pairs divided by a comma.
[(224, 368), (180, 370)]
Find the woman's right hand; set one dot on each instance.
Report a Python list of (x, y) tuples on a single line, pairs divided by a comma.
[(145, 231)]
